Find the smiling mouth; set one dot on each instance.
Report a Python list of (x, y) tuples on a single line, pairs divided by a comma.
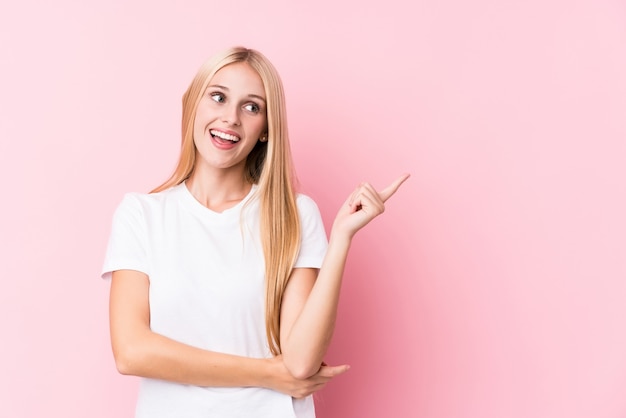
[(224, 136)]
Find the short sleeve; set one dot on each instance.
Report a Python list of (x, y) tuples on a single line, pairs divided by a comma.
[(314, 242), (127, 248)]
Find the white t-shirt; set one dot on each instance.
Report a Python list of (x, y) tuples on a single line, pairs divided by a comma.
[(206, 272)]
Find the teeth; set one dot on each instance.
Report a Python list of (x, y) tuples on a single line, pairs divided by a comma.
[(225, 136)]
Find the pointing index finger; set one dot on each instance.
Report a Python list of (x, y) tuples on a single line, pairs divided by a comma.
[(387, 192)]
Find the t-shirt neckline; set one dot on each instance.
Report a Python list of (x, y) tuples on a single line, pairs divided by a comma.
[(192, 203)]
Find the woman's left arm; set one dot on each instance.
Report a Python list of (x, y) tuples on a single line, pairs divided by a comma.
[(309, 306)]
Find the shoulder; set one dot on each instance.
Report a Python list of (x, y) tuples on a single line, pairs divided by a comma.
[(140, 204), (306, 204), (313, 242), (309, 212), (150, 199)]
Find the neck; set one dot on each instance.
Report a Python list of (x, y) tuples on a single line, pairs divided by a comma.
[(218, 191)]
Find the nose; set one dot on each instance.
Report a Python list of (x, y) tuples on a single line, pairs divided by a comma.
[(230, 114)]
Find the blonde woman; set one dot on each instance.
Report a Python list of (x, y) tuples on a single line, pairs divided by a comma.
[(224, 288)]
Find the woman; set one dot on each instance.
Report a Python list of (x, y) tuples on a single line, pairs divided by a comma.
[(224, 289)]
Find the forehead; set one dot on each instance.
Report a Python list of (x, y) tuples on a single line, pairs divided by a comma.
[(239, 78)]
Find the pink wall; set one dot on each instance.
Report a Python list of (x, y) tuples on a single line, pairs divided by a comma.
[(495, 284)]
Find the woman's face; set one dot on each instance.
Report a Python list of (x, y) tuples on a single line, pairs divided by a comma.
[(230, 118)]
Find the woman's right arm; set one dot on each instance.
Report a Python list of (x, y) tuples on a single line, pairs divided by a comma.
[(141, 352)]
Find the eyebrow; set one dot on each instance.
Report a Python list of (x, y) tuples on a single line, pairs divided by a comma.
[(256, 96)]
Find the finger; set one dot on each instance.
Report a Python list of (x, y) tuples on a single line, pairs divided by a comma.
[(393, 187), (371, 205), (365, 195), (353, 196), (332, 371), (354, 202), (370, 191), (319, 386), (357, 200)]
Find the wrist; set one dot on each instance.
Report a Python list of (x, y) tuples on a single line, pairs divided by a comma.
[(340, 238), (265, 373)]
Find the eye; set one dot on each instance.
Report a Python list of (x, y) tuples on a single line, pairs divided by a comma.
[(218, 97), (252, 107)]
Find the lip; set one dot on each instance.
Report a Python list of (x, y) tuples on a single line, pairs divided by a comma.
[(223, 145), (226, 131)]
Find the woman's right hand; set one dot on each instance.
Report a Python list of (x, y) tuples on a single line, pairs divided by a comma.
[(364, 204), (282, 381)]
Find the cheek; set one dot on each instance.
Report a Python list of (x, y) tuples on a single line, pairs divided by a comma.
[(199, 123), (197, 134), (262, 125)]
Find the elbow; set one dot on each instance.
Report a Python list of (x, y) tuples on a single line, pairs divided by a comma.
[(301, 370), (132, 353), (125, 361), (302, 362), (123, 367), (303, 374)]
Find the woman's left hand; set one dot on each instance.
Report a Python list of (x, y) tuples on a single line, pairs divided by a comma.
[(363, 205)]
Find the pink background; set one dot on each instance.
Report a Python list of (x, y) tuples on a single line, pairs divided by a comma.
[(495, 284)]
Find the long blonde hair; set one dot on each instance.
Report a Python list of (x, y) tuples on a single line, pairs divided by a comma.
[(269, 165)]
